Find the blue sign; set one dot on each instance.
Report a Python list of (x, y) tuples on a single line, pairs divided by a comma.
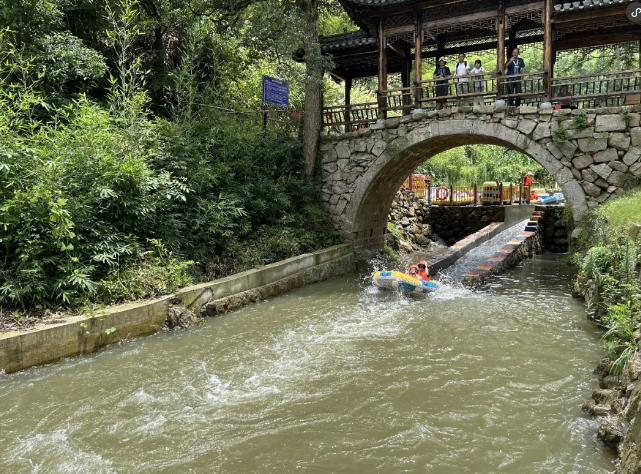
[(275, 92)]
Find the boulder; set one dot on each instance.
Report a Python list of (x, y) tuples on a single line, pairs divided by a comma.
[(610, 123), (591, 189), (632, 155), (617, 178), (582, 162), (605, 396), (617, 165), (180, 317), (602, 170), (606, 156), (591, 145), (610, 432), (619, 140)]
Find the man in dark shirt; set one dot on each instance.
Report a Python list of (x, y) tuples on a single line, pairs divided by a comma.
[(514, 67), (442, 72)]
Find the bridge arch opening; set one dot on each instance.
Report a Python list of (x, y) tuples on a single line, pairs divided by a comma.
[(365, 217)]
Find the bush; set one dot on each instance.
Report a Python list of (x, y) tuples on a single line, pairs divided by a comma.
[(608, 254), (101, 203)]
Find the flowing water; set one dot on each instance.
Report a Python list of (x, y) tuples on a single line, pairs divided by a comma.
[(334, 377), (480, 254)]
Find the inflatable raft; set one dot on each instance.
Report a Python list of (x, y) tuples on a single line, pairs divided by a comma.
[(394, 280)]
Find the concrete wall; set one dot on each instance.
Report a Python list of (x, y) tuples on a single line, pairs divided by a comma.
[(85, 334)]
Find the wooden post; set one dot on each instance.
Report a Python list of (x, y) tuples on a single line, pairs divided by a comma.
[(418, 57), (411, 180), (500, 44), (475, 195), (500, 193), (382, 69), (520, 193), (451, 194), (348, 115), (406, 72), (429, 193), (511, 41), (511, 193), (547, 47)]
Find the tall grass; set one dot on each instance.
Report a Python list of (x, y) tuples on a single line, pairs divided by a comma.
[(608, 256)]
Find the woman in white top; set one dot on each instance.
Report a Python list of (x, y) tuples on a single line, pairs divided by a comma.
[(478, 81), (462, 71)]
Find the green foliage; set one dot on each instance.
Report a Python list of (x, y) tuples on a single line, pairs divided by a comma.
[(101, 202), (608, 253), (580, 122), (154, 273), (560, 136), (475, 164), (620, 215), (628, 120)]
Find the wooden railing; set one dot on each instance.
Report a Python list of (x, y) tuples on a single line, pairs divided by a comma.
[(591, 90), (498, 193), (429, 93), (525, 86), (353, 115), (397, 99)]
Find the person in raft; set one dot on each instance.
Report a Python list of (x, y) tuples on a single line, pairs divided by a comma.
[(413, 271), (423, 270)]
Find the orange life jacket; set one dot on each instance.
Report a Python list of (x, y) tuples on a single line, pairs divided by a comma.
[(423, 275)]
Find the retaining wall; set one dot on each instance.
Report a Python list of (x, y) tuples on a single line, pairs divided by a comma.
[(85, 334)]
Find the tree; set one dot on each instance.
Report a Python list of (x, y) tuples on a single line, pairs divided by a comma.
[(304, 25)]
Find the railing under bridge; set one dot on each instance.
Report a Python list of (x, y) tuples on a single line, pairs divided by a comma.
[(495, 194), (584, 91)]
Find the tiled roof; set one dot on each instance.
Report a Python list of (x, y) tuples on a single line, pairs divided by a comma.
[(575, 6), (346, 40)]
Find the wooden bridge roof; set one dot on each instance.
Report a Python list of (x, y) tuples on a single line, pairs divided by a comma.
[(452, 26)]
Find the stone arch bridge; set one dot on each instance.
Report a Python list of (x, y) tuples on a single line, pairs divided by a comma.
[(596, 158)]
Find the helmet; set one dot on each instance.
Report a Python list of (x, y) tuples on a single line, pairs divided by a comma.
[(414, 267), (423, 262)]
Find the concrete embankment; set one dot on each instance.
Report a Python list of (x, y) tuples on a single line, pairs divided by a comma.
[(87, 333)]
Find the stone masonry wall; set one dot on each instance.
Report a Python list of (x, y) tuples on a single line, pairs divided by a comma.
[(452, 223), (553, 229), (414, 216), (595, 156)]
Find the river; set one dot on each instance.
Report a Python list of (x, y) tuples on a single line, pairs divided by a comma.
[(334, 377)]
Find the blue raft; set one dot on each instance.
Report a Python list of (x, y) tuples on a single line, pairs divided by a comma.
[(395, 280)]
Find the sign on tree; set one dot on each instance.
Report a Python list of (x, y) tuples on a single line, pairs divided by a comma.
[(275, 92)]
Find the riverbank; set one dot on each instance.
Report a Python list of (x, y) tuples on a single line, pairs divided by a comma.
[(606, 253), (44, 343)]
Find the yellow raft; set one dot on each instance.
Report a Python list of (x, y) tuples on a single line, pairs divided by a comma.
[(394, 280)]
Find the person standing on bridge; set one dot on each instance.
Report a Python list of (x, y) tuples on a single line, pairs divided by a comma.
[(462, 73), (442, 73), (478, 81), (514, 67)]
